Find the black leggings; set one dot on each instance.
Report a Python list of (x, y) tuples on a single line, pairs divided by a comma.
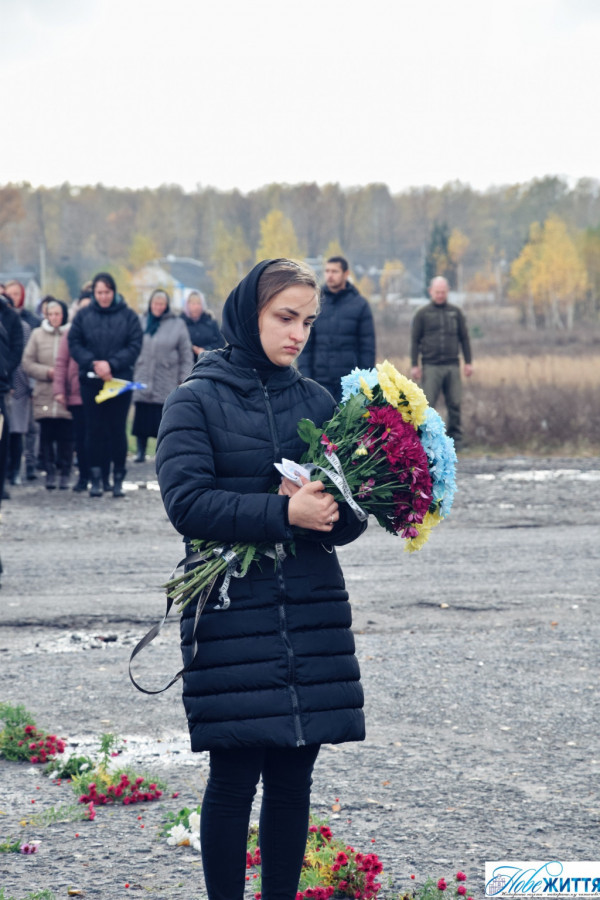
[(283, 827)]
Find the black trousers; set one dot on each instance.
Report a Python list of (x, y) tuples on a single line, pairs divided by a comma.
[(105, 426), (4, 440), (283, 827), (56, 444), (78, 414)]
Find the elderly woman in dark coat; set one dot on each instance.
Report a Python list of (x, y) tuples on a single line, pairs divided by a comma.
[(276, 675), (201, 324)]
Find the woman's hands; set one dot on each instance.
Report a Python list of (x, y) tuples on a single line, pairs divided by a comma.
[(310, 506), (102, 369)]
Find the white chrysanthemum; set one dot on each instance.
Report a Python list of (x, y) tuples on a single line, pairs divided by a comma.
[(179, 836)]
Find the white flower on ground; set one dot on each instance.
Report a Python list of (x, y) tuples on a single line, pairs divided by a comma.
[(179, 836)]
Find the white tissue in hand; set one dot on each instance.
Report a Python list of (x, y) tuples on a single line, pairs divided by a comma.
[(293, 470)]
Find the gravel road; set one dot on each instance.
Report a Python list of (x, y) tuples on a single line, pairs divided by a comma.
[(479, 658)]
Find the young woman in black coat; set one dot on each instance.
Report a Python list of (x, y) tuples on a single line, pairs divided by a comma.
[(105, 340), (275, 675)]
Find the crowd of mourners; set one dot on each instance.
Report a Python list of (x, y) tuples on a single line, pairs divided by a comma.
[(55, 362)]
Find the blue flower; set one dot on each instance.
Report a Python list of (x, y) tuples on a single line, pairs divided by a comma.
[(351, 382), (442, 460)]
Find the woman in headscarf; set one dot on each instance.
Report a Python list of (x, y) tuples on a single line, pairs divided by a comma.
[(67, 392), (22, 424), (56, 427), (166, 359), (201, 324), (105, 340), (275, 675)]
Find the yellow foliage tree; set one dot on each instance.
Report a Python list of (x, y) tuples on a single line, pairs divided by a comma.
[(458, 244), (125, 286), (57, 287), (589, 248), (333, 249), (277, 238), (550, 273), (365, 286), (231, 257), (522, 273), (142, 250), (392, 278)]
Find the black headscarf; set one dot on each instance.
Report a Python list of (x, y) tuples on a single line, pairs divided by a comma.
[(240, 323), (63, 306)]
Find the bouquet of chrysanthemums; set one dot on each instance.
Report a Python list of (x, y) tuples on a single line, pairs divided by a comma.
[(385, 452)]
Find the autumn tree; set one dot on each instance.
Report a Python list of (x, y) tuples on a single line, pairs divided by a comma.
[(392, 279), (277, 238), (589, 249), (141, 251), (549, 273), (365, 286), (230, 257), (11, 206), (458, 244), (438, 260), (524, 279), (334, 248)]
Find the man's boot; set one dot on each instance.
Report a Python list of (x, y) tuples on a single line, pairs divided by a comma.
[(118, 484), (96, 489)]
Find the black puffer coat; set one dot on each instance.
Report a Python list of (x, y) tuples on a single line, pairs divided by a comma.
[(113, 334), (204, 332), (342, 337), (278, 667), (11, 344)]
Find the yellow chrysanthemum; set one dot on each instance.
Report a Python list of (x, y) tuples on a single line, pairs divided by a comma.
[(362, 451), (365, 388), (388, 388), (424, 529), (417, 401)]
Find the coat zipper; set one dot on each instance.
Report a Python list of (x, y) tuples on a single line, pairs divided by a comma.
[(300, 742)]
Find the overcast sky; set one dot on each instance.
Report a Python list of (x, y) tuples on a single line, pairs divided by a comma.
[(233, 93)]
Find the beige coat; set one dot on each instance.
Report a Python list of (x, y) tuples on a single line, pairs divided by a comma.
[(38, 359)]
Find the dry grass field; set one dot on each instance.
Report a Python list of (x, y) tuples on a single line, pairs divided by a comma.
[(531, 392)]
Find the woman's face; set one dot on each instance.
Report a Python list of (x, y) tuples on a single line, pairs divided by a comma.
[(54, 315), (194, 305), (284, 323), (158, 305), (15, 293), (103, 294)]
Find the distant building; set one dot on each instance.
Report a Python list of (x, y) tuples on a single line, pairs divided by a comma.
[(179, 275)]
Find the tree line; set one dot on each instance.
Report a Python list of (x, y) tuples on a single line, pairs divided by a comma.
[(395, 242)]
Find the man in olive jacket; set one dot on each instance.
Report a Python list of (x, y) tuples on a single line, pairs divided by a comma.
[(343, 335), (439, 331)]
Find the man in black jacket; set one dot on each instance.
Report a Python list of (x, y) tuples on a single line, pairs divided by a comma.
[(343, 335), (11, 351), (439, 330)]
